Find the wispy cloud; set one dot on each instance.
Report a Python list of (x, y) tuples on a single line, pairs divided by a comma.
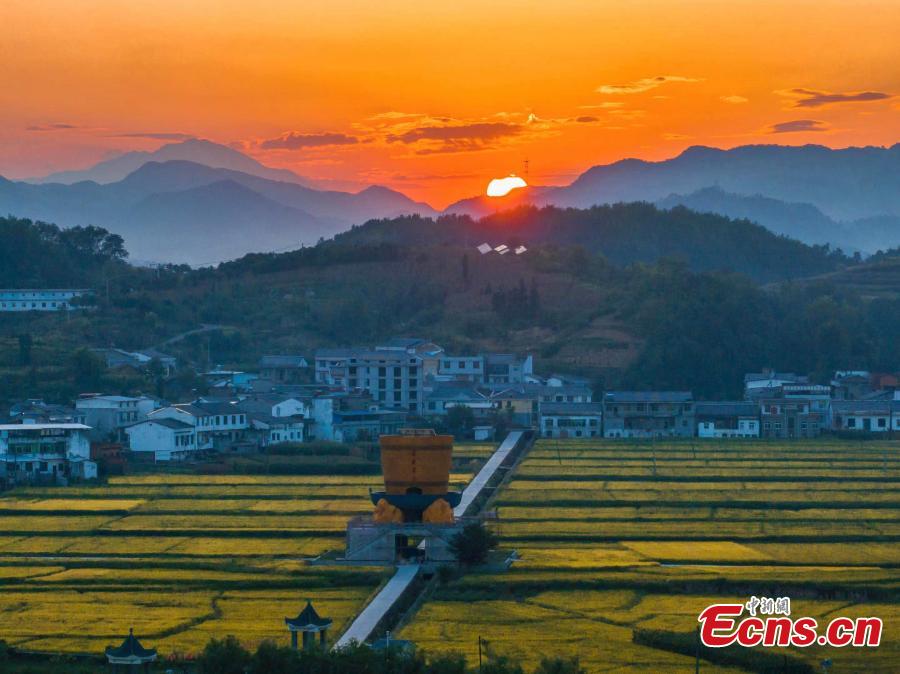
[(734, 99), (298, 141), (455, 137), (811, 98), (59, 126), (643, 84), (799, 125), (155, 135), (587, 119), (606, 105)]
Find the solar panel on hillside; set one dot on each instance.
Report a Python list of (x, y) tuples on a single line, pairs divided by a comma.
[(504, 251), (485, 248), (502, 248), (520, 250)]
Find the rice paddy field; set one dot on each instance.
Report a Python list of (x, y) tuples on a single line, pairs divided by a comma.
[(614, 536), (180, 558)]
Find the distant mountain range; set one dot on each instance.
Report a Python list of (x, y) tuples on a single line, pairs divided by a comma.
[(849, 198), (197, 201), (194, 150), (185, 212)]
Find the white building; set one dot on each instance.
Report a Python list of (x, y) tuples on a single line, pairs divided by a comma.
[(571, 420), (167, 439), (727, 419), (109, 415), (218, 425), (394, 378), (45, 451), (30, 299)]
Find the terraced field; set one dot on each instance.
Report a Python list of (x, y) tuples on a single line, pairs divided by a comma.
[(615, 536), (179, 558)]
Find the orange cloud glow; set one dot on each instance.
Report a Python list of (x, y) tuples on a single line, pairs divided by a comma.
[(436, 98)]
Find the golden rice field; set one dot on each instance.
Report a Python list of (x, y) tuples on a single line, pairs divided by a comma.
[(613, 536), (180, 558)]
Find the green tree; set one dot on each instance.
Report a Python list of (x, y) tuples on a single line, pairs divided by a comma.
[(273, 659), (472, 545), (25, 344), (87, 369), (560, 665), (224, 656), (447, 663), (501, 664), (460, 420)]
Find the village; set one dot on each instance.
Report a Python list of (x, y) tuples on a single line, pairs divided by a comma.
[(356, 395)]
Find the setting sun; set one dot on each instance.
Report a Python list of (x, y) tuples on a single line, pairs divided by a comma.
[(500, 187)]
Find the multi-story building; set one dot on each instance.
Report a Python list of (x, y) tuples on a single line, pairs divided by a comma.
[(571, 419), (507, 368), (647, 414), (218, 425), (394, 378), (50, 452), (108, 415), (795, 411), (727, 419), (31, 299), (165, 438), (462, 368)]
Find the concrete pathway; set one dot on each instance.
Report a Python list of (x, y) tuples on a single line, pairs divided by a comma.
[(368, 620), (480, 481)]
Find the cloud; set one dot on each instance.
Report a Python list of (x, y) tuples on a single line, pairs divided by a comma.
[(457, 137), (798, 125), (155, 135), (52, 127), (810, 98), (606, 105), (642, 85), (299, 141), (675, 136), (734, 99), (586, 119)]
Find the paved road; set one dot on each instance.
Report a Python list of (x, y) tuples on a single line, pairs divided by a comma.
[(368, 620), (480, 481), (204, 327)]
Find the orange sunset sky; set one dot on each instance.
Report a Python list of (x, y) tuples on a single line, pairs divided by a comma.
[(436, 98)]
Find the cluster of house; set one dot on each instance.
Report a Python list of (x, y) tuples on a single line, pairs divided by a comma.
[(357, 394)]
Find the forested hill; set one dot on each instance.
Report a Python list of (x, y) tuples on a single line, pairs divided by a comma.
[(623, 233), (41, 255)]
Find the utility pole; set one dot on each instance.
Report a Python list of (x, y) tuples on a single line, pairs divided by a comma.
[(697, 659), (479, 653)]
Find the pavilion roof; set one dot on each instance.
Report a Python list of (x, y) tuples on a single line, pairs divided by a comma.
[(308, 619), (131, 649)]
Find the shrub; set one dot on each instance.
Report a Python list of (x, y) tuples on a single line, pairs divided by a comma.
[(472, 544)]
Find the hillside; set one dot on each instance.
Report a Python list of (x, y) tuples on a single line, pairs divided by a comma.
[(653, 324), (623, 233)]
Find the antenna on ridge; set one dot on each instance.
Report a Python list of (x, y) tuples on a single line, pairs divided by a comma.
[(525, 166)]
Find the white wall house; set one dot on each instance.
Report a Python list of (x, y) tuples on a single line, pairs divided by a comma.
[(725, 419), (45, 451), (167, 439), (218, 425), (30, 299)]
